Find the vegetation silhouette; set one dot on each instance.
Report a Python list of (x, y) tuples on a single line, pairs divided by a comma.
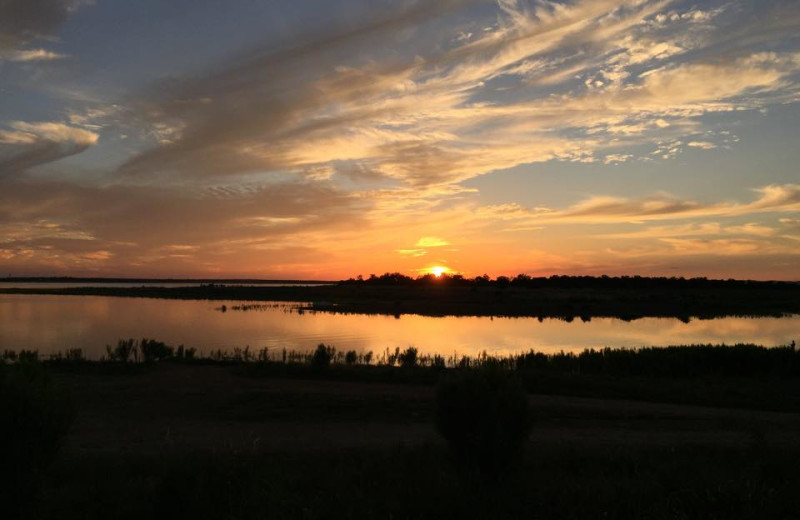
[(747, 376), (131, 350), (681, 362), (322, 356), (564, 297)]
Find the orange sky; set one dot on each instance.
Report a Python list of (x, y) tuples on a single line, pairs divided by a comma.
[(326, 139)]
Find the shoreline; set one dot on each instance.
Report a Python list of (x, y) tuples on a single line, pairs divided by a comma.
[(579, 302)]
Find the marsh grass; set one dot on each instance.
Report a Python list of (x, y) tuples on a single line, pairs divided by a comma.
[(742, 375)]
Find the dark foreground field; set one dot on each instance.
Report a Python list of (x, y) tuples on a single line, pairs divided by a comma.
[(219, 440)]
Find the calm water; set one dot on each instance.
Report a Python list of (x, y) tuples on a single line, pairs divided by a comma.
[(173, 285), (52, 323)]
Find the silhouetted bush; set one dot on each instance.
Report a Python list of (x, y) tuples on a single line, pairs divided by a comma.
[(351, 357), (408, 358), (35, 417), (185, 354), (74, 354), (28, 356), (153, 350), (322, 356), (71, 355), (483, 414), (124, 351)]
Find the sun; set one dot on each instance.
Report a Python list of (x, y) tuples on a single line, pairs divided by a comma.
[(438, 271)]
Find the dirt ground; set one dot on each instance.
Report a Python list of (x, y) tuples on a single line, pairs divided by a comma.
[(214, 408)]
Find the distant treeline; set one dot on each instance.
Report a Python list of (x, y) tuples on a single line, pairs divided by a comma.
[(567, 282), (520, 280), (566, 297)]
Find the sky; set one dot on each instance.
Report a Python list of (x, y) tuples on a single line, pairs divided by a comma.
[(322, 139)]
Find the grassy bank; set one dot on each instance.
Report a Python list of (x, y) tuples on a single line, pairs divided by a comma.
[(207, 441), (320, 438), (744, 376)]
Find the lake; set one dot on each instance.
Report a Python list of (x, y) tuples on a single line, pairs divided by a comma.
[(120, 285), (50, 323)]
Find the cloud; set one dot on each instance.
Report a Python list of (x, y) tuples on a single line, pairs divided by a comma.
[(587, 73), (604, 209), (751, 228), (725, 247), (413, 252), (25, 21), (55, 225), (617, 158), (431, 242), (30, 133), (34, 55), (703, 145), (15, 232), (252, 115), (694, 230), (33, 144)]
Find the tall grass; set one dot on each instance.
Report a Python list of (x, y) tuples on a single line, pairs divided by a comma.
[(689, 361), (146, 350)]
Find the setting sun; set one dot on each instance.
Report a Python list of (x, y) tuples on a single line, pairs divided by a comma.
[(438, 271)]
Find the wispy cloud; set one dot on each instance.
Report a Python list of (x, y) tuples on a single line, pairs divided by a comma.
[(584, 73), (42, 221), (602, 209), (431, 242), (25, 21), (33, 144), (28, 55)]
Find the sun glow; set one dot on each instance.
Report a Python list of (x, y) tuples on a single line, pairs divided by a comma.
[(438, 271)]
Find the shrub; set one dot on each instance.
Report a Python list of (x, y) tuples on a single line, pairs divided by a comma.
[(74, 354), (153, 350), (483, 414), (185, 354), (35, 417), (71, 355), (28, 356), (322, 357), (408, 358), (351, 357), (125, 349)]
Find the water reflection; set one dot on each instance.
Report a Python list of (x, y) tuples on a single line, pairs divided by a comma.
[(51, 323), (121, 285)]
